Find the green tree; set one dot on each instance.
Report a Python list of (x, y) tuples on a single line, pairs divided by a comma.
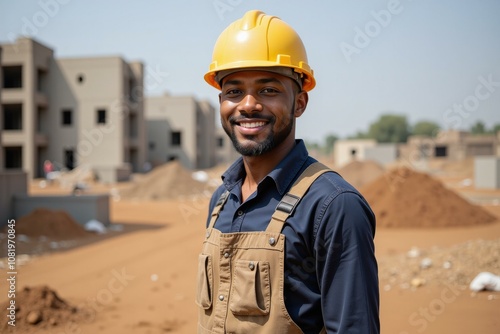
[(359, 135), (425, 128), (312, 146), (390, 128), (478, 128), (496, 128), (329, 143)]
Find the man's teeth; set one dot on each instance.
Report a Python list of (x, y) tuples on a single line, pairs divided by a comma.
[(252, 125)]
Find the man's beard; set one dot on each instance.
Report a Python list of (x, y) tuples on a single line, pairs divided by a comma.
[(267, 145)]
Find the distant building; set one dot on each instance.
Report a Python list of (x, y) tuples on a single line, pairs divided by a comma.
[(2, 163), (226, 153), (452, 145), (12, 182), (73, 111), (181, 128), (348, 150)]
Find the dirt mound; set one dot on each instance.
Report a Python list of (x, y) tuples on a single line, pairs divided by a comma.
[(456, 266), (406, 198), (170, 180), (38, 308), (51, 224), (359, 173)]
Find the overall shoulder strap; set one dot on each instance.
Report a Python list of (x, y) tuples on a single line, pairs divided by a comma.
[(291, 199), (215, 212)]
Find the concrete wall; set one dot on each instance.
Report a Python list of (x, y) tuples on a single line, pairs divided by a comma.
[(384, 154), (159, 131), (345, 151), (100, 87), (206, 135), (112, 174), (12, 183), (81, 208), (487, 172)]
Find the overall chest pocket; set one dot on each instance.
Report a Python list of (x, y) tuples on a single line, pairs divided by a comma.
[(205, 281), (251, 289)]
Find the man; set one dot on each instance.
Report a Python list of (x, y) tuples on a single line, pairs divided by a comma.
[(289, 244)]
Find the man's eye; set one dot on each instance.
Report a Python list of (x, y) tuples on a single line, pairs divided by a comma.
[(232, 92), (270, 90)]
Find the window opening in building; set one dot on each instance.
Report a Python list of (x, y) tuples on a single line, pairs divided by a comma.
[(80, 78), (69, 159), (176, 138), (12, 116), (220, 142), (67, 117), (41, 78), (101, 116), (13, 157), (12, 76), (441, 151)]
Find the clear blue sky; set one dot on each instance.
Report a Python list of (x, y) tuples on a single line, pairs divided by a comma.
[(412, 57)]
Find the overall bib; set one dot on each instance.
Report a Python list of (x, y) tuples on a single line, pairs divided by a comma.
[(241, 275)]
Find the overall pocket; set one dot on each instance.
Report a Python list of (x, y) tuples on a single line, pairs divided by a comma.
[(251, 289), (204, 286)]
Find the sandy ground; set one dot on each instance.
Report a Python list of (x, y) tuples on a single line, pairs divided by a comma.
[(142, 279)]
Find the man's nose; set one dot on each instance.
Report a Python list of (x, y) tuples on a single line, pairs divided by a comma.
[(250, 104)]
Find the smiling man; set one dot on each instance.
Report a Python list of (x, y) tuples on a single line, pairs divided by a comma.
[(289, 243)]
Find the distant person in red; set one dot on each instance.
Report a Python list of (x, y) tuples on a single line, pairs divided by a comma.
[(48, 167)]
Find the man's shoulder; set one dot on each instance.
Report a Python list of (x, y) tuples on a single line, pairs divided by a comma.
[(331, 182)]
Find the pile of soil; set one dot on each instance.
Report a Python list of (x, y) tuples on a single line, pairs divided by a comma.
[(359, 173), (38, 308), (406, 198), (170, 180), (455, 266), (52, 224)]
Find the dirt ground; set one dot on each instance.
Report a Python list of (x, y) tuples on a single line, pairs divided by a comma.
[(140, 278)]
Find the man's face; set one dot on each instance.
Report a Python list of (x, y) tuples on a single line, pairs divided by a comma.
[(258, 110)]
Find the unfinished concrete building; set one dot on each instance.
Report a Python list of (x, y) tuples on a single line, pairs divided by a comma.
[(74, 112), (181, 128), (452, 145)]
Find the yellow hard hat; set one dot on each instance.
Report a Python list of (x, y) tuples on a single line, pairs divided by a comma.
[(263, 41)]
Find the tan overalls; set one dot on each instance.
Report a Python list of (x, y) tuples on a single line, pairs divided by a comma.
[(241, 275)]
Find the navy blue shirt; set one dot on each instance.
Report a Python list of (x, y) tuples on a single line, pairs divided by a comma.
[(331, 275)]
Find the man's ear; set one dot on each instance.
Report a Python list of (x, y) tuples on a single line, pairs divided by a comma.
[(301, 100)]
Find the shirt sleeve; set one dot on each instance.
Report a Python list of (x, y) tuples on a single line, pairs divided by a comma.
[(346, 266)]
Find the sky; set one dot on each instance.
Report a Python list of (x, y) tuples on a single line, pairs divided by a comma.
[(425, 59)]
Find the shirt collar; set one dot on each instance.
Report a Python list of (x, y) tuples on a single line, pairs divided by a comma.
[(282, 175)]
